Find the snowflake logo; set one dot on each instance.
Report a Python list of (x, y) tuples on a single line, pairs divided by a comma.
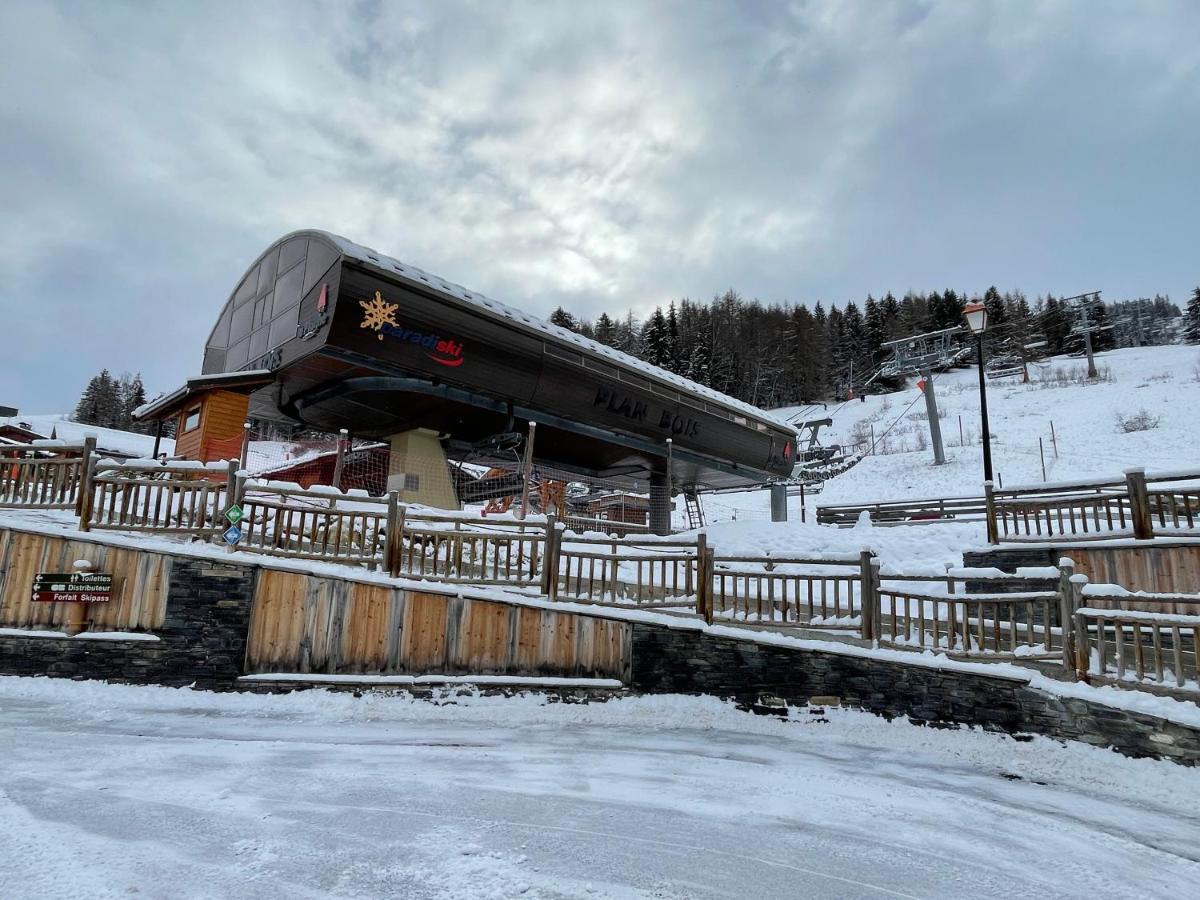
[(377, 313)]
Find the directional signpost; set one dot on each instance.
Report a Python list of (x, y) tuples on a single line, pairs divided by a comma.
[(72, 587), (232, 535), (234, 514)]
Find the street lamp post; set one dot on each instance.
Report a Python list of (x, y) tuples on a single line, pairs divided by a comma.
[(976, 316)]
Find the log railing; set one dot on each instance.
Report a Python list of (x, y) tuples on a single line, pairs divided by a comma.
[(643, 572), (1139, 506), (460, 551), (1010, 625), (291, 522), (1152, 646), (904, 512), (177, 498), (43, 475), (813, 592)]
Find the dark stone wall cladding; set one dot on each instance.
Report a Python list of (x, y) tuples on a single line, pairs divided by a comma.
[(1009, 560), (202, 640), (681, 661)]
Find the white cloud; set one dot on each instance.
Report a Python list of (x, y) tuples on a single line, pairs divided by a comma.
[(609, 155)]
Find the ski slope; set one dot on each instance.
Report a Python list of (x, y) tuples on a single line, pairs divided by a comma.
[(1087, 441)]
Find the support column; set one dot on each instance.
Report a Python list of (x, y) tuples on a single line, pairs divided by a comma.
[(418, 470), (779, 502), (660, 502)]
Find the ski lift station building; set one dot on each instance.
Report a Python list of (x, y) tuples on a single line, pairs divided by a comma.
[(326, 334)]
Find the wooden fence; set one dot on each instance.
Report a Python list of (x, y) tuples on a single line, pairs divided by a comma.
[(1009, 625), (816, 592), (1152, 646), (904, 512), (1137, 639), (1138, 505), (628, 571), (44, 475), (140, 582), (177, 498)]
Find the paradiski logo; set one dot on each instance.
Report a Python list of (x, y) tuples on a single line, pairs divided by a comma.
[(380, 317)]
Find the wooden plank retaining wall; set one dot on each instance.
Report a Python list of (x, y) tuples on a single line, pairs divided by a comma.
[(140, 582), (308, 624)]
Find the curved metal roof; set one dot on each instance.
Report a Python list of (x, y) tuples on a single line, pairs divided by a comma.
[(494, 308)]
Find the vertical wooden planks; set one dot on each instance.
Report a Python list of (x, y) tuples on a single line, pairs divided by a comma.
[(423, 647)]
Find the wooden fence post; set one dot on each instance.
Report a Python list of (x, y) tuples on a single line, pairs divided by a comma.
[(1139, 503), (392, 539), (1078, 582), (702, 577), (89, 447), (231, 499), (989, 500), (245, 455), (87, 489), (868, 568), (340, 461), (550, 559), (1066, 612)]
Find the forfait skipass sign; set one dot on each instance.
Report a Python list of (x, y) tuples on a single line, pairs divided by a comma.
[(380, 316)]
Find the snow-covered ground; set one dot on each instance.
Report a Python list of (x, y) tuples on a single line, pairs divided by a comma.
[(114, 791), (110, 439), (1163, 381)]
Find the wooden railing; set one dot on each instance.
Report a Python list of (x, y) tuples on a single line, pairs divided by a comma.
[(1010, 625), (1138, 505), (904, 512), (1153, 646), (461, 550), (43, 475), (292, 522), (178, 498), (814, 592), (629, 571), (1099, 633)]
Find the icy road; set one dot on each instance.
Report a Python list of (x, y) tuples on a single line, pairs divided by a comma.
[(111, 791)]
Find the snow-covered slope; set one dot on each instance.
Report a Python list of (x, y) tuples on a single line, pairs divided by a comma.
[(1163, 381)]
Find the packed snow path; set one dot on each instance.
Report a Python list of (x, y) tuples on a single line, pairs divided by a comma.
[(110, 791)]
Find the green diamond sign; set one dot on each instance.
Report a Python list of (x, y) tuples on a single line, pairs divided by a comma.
[(234, 514)]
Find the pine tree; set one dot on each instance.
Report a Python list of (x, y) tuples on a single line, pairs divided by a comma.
[(133, 395), (563, 319), (101, 403), (1098, 321), (1191, 330), (673, 360), (875, 329), (605, 331), (656, 340)]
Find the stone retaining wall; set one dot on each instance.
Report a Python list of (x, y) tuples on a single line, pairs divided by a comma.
[(683, 661), (202, 641)]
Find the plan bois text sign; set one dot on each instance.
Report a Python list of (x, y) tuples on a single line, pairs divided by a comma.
[(72, 587)]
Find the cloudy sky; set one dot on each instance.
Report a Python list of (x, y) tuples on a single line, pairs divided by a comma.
[(599, 155)]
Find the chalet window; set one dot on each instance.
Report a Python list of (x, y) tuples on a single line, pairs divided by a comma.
[(191, 418), (412, 482)]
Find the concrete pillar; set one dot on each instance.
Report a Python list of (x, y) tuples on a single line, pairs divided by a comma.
[(778, 502), (418, 470)]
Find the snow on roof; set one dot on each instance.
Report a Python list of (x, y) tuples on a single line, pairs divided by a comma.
[(108, 440), (367, 255)]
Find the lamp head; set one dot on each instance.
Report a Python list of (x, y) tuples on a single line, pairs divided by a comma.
[(976, 316)]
